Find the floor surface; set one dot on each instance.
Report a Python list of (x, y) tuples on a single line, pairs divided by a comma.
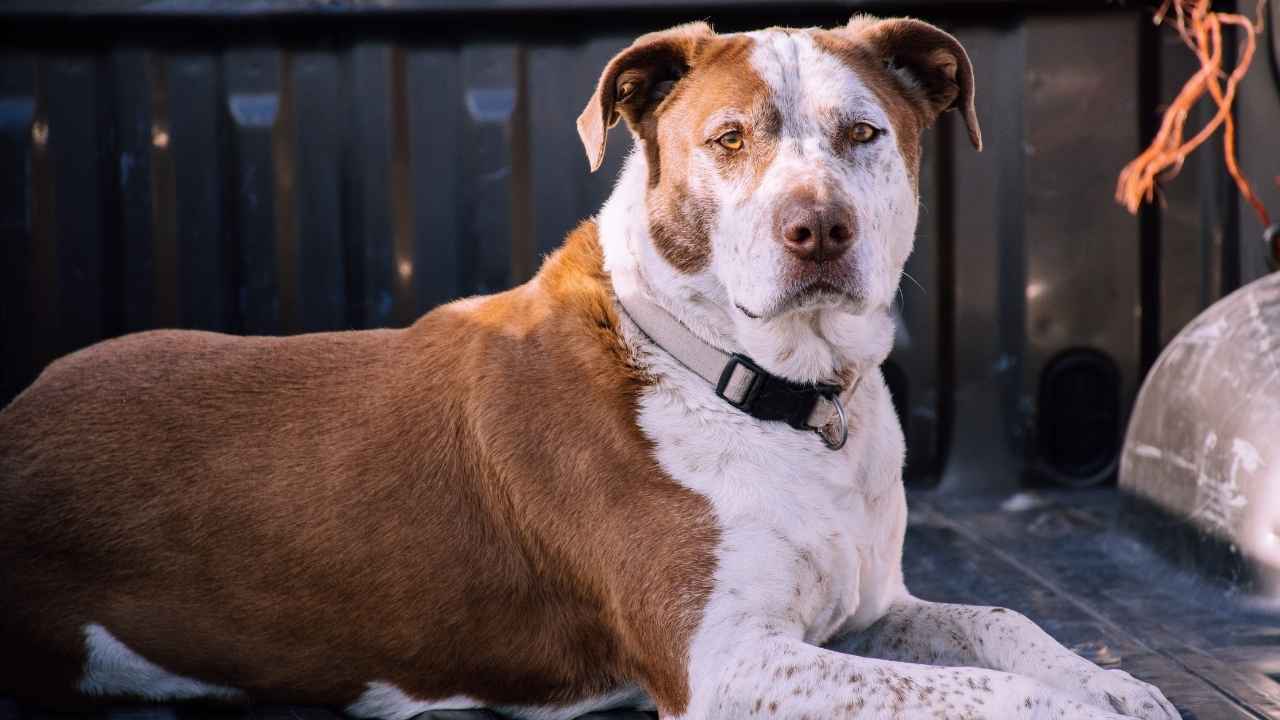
[(1066, 560)]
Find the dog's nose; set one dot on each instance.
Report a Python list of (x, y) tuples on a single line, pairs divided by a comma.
[(816, 232)]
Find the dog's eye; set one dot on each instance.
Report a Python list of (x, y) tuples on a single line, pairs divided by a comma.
[(863, 132), (731, 141)]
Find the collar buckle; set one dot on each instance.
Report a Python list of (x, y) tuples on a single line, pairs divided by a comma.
[(727, 385)]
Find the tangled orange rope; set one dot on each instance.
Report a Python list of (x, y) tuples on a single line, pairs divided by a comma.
[(1201, 30)]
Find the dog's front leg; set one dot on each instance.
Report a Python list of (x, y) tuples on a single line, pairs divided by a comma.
[(914, 630), (780, 677)]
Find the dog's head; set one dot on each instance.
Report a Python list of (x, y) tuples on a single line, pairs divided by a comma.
[(782, 164)]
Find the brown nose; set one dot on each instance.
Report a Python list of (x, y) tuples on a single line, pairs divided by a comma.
[(815, 231)]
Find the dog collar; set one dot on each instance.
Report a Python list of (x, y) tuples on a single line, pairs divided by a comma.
[(742, 383)]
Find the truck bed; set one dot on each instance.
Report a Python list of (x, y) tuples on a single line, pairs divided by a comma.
[(1072, 561)]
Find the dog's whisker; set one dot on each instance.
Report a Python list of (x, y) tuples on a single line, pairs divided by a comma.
[(907, 275)]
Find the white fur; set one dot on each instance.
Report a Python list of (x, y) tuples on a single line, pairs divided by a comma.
[(811, 540), (112, 669), (813, 88), (388, 702), (627, 697)]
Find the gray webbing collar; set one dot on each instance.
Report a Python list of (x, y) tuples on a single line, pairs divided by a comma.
[(740, 381)]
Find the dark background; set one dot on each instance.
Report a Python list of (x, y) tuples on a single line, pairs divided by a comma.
[(299, 165)]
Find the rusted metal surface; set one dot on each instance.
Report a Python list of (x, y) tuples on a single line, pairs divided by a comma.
[(1204, 439)]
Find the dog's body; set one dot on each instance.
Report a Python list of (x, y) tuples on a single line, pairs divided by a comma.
[(522, 501)]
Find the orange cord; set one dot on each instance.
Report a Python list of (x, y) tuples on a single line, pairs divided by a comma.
[(1201, 30)]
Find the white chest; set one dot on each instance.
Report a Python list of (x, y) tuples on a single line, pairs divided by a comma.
[(810, 538)]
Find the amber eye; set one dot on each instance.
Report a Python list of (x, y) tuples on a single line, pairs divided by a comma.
[(731, 141), (863, 133)]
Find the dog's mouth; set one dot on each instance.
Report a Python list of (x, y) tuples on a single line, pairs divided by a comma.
[(820, 288), (824, 294), (814, 295)]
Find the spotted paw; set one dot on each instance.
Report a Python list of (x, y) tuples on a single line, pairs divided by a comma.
[(1119, 691)]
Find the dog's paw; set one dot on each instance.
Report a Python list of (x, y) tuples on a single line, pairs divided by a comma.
[(1119, 691), (1026, 698)]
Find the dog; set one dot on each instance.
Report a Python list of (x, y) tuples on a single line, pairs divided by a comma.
[(663, 474)]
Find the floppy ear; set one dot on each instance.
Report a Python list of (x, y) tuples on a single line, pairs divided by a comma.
[(636, 80), (925, 59)]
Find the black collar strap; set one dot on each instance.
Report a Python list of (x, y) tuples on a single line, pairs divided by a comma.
[(741, 382)]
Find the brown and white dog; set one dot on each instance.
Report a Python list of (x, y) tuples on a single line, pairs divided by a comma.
[(522, 501)]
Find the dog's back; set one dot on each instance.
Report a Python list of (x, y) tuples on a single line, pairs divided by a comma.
[(310, 518)]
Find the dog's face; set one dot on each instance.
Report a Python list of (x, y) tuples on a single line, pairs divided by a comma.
[(783, 163)]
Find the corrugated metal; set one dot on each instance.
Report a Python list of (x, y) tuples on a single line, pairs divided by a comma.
[(354, 169), (279, 190)]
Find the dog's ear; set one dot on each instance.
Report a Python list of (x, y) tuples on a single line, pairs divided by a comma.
[(926, 60), (636, 80)]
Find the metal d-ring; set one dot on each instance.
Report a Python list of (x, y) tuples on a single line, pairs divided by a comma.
[(844, 426)]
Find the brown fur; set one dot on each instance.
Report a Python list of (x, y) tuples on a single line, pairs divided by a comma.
[(466, 506), (632, 83), (934, 57), (714, 74), (720, 79)]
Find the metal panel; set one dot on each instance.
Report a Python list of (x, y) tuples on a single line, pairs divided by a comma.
[(561, 80), (491, 96), (17, 211), (1081, 247), (435, 128), (196, 134), (594, 189), (42, 298), (1258, 134), (315, 248), (164, 197), (553, 108), (74, 124), (284, 162), (403, 292), (1181, 272), (1196, 209), (920, 350), (253, 105), (366, 206), (986, 445), (135, 209)]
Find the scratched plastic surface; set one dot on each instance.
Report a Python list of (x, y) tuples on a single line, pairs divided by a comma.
[(1202, 440)]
